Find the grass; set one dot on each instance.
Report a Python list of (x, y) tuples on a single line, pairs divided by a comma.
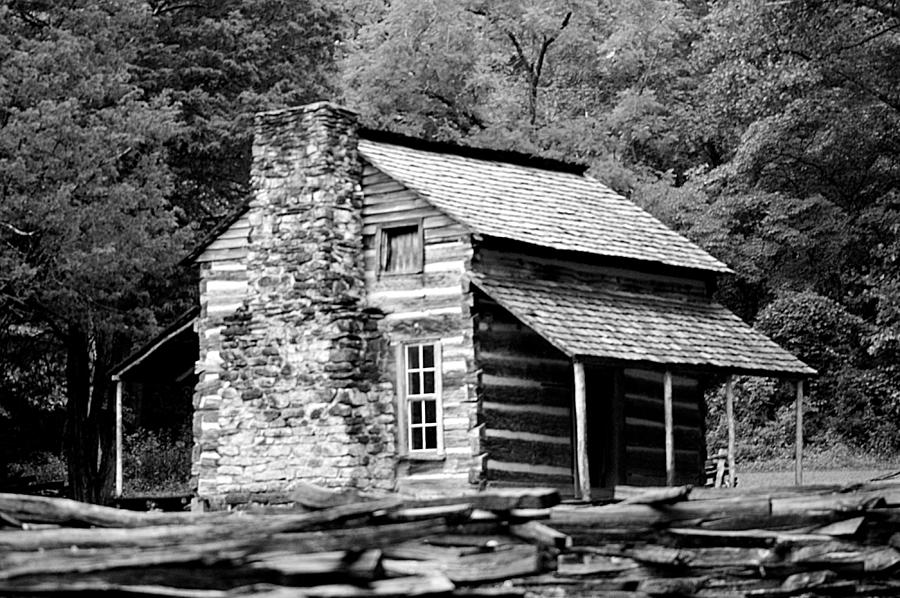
[(837, 456)]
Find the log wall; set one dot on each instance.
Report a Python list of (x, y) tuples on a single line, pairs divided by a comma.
[(427, 306), (223, 289), (645, 454), (644, 432), (526, 390), (511, 260)]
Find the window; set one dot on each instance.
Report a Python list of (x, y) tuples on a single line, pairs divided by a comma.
[(421, 394), (400, 249)]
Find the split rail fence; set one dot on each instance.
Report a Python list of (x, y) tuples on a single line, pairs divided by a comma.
[(810, 541)]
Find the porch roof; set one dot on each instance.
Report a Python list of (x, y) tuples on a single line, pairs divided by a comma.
[(594, 322)]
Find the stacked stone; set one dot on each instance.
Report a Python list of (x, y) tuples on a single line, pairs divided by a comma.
[(299, 392)]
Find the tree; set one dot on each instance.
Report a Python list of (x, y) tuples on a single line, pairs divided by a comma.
[(221, 62), (126, 131), (87, 232)]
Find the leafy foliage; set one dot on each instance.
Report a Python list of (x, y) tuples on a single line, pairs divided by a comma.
[(123, 130), (156, 462)]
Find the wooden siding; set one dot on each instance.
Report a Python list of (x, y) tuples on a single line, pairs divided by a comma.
[(645, 455), (431, 305), (230, 245), (511, 260), (526, 395)]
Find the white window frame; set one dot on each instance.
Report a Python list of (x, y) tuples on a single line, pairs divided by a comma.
[(404, 419)]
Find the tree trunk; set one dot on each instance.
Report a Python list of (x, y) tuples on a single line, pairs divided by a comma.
[(89, 424)]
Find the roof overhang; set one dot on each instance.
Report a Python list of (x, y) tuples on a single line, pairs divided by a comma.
[(604, 326), (183, 323)]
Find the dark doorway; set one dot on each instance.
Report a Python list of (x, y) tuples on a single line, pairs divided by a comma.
[(604, 435)]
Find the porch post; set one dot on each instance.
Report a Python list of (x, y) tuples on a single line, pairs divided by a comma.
[(798, 406), (670, 429), (729, 415), (582, 471), (118, 436)]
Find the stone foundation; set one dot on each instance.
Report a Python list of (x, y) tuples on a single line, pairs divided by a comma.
[(299, 394)]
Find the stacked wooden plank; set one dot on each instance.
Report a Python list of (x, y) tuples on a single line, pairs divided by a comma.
[(813, 541)]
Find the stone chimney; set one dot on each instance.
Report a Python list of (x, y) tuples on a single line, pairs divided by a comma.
[(301, 397)]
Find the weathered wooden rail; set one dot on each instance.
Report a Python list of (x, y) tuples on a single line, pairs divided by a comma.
[(816, 541)]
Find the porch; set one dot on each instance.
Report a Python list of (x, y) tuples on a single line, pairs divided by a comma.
[(636, 363)]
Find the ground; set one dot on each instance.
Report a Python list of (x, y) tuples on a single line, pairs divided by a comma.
[(759, 479)]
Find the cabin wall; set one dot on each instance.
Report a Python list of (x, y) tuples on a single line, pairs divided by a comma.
[(640, 391), (645, 448), (517, 260), (526, 387), (428, 306), (223, 289)]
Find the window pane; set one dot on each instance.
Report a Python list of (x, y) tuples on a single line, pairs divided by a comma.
[(431, 437), (415, 412), (416, 438), (430, 412), (412, 357), (415, 387), (428, 356), (428, 382)]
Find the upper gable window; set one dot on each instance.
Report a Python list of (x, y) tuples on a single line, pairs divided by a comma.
[(400, 249)]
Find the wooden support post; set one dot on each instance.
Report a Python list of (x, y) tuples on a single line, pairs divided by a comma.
[(118, 437), (582, 469), (798, 405), (670, 429), (729, 414), (617, 439)]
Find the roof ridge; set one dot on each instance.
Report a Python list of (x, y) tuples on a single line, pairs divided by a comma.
[(470, 151)]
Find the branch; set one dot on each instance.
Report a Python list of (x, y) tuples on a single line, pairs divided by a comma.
[(16, 230), (161, 8), (867, 39), (521, 53)]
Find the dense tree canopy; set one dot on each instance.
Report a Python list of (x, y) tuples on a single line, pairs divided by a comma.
[(767, 132), (123, 132)]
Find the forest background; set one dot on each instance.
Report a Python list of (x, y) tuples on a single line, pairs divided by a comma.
[(767, 132)]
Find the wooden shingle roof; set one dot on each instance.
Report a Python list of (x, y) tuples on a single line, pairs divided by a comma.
[(548, 207), (587, 321)]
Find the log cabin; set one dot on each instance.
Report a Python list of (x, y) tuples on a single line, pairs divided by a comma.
[(393, 314)]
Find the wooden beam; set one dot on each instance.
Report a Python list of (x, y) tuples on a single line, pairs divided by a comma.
[(119, 437), (729, 414), (798, 406), (670, 428), (582, 469)]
